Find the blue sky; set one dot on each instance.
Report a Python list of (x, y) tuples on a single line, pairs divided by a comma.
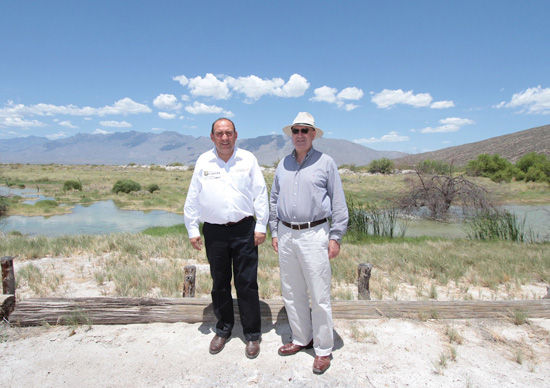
[(410, 76)]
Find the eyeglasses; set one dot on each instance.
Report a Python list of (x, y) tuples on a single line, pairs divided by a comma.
[(303, 130)]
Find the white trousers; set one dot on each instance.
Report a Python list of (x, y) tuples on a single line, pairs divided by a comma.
[(306, 274)]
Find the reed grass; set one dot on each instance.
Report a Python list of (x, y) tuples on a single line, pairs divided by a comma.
[(495, 224)]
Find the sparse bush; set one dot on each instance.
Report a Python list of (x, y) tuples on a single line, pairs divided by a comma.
[(72, 185), (434, 167), (153, 187), (382, 166), (126, 186)]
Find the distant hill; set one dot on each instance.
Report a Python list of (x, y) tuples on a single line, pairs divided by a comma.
[(166, 148), (511, 147)]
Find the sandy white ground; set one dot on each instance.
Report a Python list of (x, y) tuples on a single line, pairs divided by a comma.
[(368, 353)]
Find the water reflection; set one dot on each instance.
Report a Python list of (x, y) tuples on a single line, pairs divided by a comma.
[(99, 218), (105, 217)]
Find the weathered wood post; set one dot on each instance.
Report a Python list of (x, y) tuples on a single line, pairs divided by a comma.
[(8, 278), (189, 283), (363, 279)]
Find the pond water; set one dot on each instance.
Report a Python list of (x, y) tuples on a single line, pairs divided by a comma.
[(105, 217)]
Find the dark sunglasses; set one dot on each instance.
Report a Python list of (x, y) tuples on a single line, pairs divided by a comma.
[(303, 130)]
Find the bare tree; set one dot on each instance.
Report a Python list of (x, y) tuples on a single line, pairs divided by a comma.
[(438, 192)]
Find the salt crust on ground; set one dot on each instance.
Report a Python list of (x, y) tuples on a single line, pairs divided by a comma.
[(368, 353)]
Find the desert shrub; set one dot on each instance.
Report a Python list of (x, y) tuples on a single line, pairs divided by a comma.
[(434, 167), (382, 166), (487, 165), (153, 187), (72, 185), (535, 166), (126, 186)]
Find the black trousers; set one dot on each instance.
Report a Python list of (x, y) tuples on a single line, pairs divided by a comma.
[(231, 250)]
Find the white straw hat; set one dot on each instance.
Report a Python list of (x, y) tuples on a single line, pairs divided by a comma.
[(305, 119)]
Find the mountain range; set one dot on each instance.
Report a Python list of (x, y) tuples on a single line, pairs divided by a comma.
[(166, 148), (172, 147)]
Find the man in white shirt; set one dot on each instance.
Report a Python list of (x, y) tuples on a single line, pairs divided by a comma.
[(226, 191)]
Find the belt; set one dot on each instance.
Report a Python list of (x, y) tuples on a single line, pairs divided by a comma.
[(238, 222), (304, 226)]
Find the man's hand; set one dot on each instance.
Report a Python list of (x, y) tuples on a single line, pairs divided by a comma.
[(333, 249), (275, 244), (259, 238), (196, 242)]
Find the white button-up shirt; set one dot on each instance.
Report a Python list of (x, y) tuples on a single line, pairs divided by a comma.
[(223, 192)]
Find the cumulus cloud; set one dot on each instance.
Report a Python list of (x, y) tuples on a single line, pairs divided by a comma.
[(124, 107), (451, 124), (167, 116), (331, 95), (209, 86), (388, 98), (167, 102), (55, 136), (442, 105), (67, 124), (392, 137), (115, 124), (252, 86), (531, 101), (100, 132), (199, 108), (20, 123)]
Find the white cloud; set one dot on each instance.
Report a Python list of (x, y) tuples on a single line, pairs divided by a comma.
[(100, 132), (442, 105), (115, 124), (199, 108), (252, 86), (59, 135), (532, 101), (67, 124), (295, 87), (392, 137), (388, 98), (181, 79), (209, 86), (456, 121), (167, 102), (450, 124), (331, 95), (20, 123), (167, 116), (124, 106)]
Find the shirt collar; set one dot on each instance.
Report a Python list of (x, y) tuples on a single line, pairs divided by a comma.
[(309, 153)]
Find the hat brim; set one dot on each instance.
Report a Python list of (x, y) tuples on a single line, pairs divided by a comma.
[(288, 130)]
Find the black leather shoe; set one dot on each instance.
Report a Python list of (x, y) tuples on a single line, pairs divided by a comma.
[(217, 344), (252, 349)]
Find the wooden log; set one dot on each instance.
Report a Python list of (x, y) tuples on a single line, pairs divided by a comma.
[(112, 311), (363, 280), (7, 306), (8, 277), (189, 283)]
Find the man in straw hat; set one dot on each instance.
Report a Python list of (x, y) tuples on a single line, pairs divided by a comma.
[(306, 192)]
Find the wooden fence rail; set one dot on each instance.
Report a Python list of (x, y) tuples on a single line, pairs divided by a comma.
[(109, 311)]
